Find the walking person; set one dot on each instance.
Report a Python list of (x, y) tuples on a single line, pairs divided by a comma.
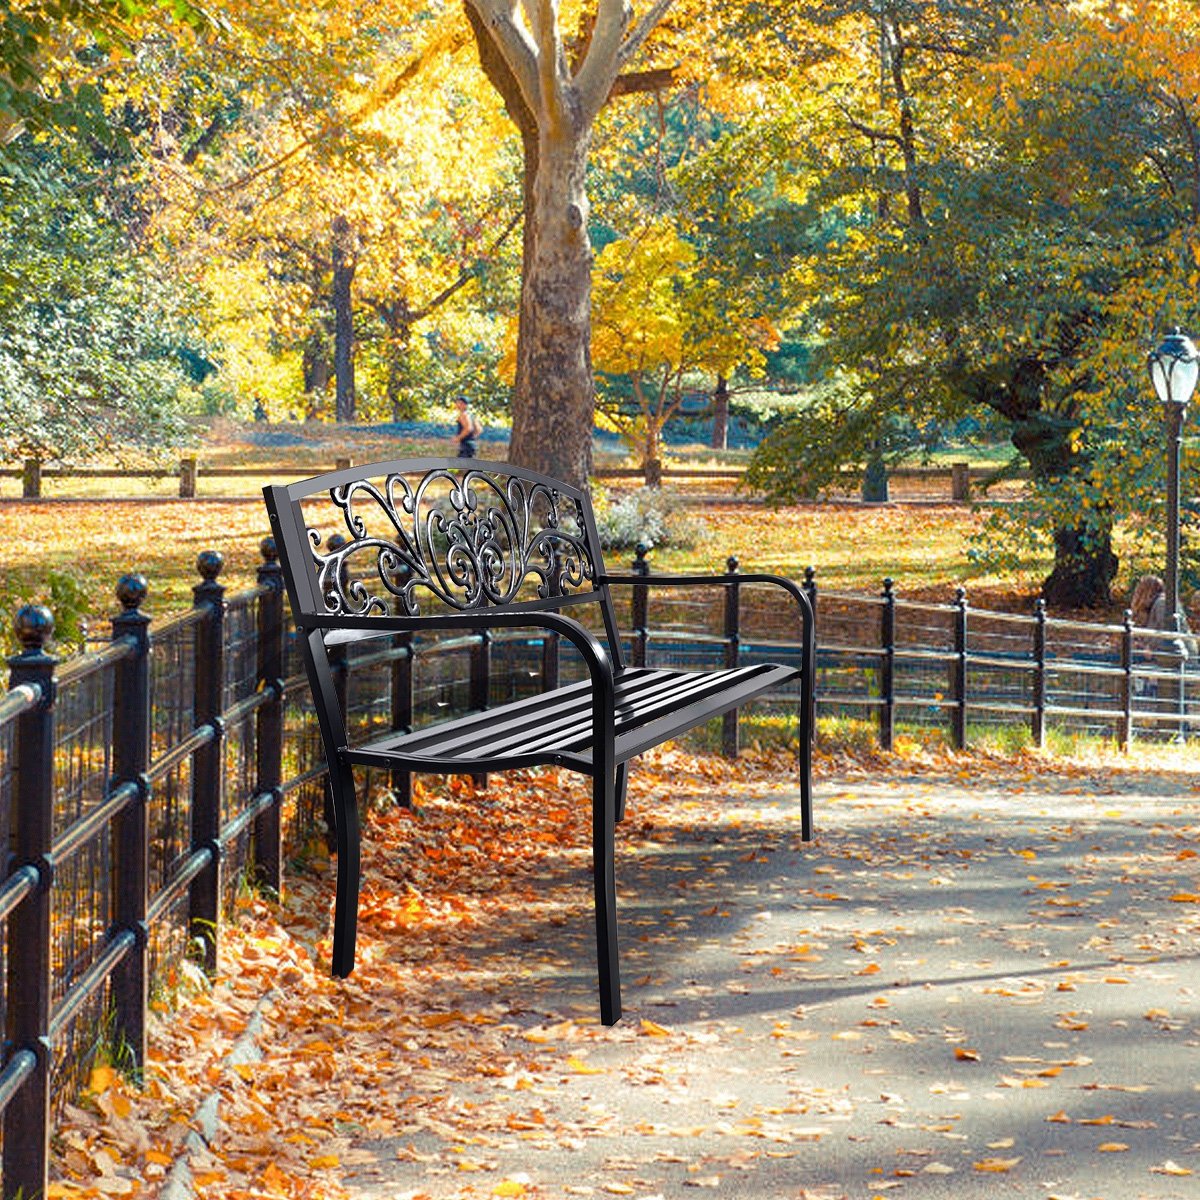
[(468, 428)]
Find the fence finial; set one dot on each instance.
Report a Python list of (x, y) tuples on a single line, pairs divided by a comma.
[(732, 565), (268, 549), (34, 625), (132, 591), (210, 563)]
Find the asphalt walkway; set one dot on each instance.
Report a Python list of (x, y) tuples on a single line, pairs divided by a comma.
[(966, 988)]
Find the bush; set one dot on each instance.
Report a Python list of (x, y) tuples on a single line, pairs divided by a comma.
[(646, 515)]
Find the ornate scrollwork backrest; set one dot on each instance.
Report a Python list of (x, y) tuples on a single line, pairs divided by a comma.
[(463, 538)]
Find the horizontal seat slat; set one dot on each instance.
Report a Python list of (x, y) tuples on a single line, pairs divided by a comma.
[(556, 726)]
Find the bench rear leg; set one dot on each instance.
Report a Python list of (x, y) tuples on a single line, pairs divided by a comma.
[(604, 788), (622, 780), (346, 831)]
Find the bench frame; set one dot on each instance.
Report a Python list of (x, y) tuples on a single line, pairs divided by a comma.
[(331, 608)]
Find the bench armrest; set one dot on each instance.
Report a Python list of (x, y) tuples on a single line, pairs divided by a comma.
[(594, 655), (725, 580)]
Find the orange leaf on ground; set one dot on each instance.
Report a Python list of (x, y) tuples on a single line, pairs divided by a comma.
[(997, 1165)]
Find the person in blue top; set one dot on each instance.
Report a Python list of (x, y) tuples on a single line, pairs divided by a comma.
[(468, 428)]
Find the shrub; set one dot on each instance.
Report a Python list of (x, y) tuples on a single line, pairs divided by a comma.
[(646, 515)]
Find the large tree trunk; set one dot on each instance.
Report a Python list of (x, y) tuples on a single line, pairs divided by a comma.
[(554, 393), (315, 362), (1084, 562), (720, 431), (1084, 568), (553, 93), (344, 264)]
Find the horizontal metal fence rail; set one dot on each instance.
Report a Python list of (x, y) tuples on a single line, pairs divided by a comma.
[(202, 739)]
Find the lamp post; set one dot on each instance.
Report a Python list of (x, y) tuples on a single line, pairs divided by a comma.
[(1174, 368)]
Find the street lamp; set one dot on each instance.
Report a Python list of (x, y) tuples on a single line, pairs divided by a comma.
[(1174, 368)]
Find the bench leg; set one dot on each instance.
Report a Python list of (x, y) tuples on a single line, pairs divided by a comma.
[(804, 752), (605, 881), (622, 780), (345, 909)]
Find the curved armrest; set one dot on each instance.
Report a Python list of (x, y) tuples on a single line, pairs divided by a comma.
[(594, 655), (724, 580)]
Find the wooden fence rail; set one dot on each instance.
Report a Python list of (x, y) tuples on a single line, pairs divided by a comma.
[(955, 482), (182, 756)]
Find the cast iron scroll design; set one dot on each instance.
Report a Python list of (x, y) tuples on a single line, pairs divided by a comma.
[(470, 539)]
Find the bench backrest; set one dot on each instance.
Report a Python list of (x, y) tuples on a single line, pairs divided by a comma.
[(431, 537)]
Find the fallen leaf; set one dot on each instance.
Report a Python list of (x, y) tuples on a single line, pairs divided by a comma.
[(1170, 1168), (997, 1165), (1112, 1147), (964, 1055)]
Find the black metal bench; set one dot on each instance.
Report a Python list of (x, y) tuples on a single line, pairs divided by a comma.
[(437, 544)]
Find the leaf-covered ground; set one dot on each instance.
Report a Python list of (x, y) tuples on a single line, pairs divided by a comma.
[(981, 980)]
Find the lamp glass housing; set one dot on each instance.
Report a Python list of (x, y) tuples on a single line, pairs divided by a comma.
[(1174, 369)]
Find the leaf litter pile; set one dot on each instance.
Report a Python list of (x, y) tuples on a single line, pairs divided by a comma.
[(980, 980)]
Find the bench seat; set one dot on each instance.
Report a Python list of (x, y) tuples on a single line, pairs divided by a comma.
[(651, 707)]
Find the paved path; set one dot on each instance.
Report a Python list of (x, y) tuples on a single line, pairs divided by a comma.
[(964, 989)]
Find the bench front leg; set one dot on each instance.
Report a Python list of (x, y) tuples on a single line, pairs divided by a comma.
[(606, 778), (346, 833)]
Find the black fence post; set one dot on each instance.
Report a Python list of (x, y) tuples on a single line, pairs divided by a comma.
[(208, 767), (402, 713), (810, 587), (887, 667), (550, 639), (733, 637), (339, 666), (28, 983), (268, 825), (481, 685), (1038, 728), (1125, 731), (639, 602), (958, 731), (130, 845)]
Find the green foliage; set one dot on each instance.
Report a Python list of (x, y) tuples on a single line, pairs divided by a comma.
[(91, 333)]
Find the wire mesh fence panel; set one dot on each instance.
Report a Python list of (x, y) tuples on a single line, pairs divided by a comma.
[(919, 626), (168, 951), (842, 620), (240, 749), (441, 679), (83, 744), (517, 668), (303, 755), (240, 628), (172, 719)]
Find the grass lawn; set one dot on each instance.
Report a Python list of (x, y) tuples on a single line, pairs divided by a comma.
[(922, 547)]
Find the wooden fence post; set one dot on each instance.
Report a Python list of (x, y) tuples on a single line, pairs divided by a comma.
[(187, 478), (208, 766), (958, 716), (639, 605), (887, 667), (28, 984), (31, 478), (268, 825), (130, 848), (1125, 730), (960, 481), (729, 722), (1038, 728)]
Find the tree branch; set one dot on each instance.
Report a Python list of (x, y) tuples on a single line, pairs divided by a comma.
[(465, 275), (594, 79), (656, 79), (514, 45)]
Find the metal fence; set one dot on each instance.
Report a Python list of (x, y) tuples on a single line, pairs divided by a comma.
[(141, 783)]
